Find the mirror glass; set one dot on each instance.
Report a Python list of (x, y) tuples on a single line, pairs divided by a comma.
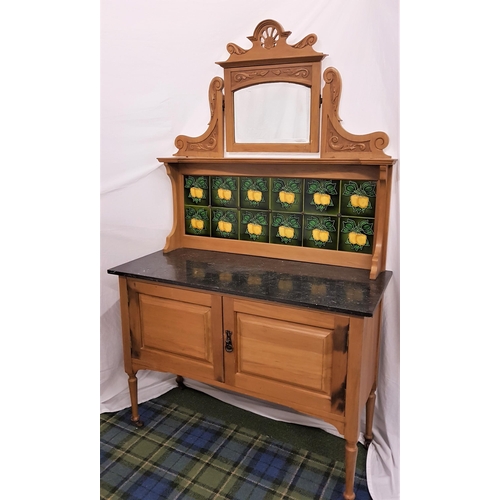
[(276, 112)]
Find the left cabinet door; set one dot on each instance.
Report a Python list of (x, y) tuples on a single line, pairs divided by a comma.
[(175, 330)]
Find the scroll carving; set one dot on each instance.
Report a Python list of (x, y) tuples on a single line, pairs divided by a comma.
[(211, 143), (232, 48), (337, 142), (308, 40), (242, 76), (298, 74)]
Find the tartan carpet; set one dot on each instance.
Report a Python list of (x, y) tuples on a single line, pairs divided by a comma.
[(181, 454)]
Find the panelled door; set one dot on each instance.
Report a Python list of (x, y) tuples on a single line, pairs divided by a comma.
[(286, 353), (176, 330)]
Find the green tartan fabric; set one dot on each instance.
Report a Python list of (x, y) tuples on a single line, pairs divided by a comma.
[(181, 454)]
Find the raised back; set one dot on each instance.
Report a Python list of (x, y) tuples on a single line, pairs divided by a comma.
[(331, 209)]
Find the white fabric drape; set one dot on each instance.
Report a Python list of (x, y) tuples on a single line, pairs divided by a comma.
[(157, 60)]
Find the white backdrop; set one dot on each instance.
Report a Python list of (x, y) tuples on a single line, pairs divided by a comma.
[(157, 60)]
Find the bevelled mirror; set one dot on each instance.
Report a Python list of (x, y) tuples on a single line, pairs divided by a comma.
[(272, 93), (276, 112)]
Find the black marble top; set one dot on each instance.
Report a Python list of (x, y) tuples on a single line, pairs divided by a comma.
[(317, 286)]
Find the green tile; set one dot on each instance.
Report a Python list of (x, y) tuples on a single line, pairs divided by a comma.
[(225, 223), (254, 226), (254, 193), (322, 196), (197, 221), (224, 191), (196, 190), (286, 229), (356, 234), (358, 198), (320, 232), (287, 194)]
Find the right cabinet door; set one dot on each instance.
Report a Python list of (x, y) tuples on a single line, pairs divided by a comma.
[(287, 354)]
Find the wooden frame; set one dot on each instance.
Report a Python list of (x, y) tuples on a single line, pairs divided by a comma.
[(271, 59)]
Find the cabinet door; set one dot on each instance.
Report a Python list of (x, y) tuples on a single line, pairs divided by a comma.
[(287, 354), (176, 330)]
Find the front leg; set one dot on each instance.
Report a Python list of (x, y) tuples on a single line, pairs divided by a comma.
[(132, 386), (351, 454)]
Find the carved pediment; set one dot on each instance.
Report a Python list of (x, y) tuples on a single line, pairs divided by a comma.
[(269, 46)]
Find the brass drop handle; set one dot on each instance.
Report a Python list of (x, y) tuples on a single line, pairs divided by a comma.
[(229, 344)]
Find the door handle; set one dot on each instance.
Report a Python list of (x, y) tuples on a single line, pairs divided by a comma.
[(229, 345)]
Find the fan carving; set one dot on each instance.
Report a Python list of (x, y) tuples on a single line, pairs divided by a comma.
[(269, 37)]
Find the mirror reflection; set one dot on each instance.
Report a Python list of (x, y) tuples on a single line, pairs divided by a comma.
[(276, 112)]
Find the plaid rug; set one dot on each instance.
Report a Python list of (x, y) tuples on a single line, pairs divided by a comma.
[(181, 454)]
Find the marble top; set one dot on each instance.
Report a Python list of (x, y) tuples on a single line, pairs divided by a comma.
[(316, 286)]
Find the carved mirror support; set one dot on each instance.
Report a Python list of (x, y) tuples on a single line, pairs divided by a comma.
[(337, 142), (211, 143)]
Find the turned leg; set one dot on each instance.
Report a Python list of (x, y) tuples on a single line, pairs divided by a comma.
[(180, 382), (132, 386), (370, 409), (351, 453)]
